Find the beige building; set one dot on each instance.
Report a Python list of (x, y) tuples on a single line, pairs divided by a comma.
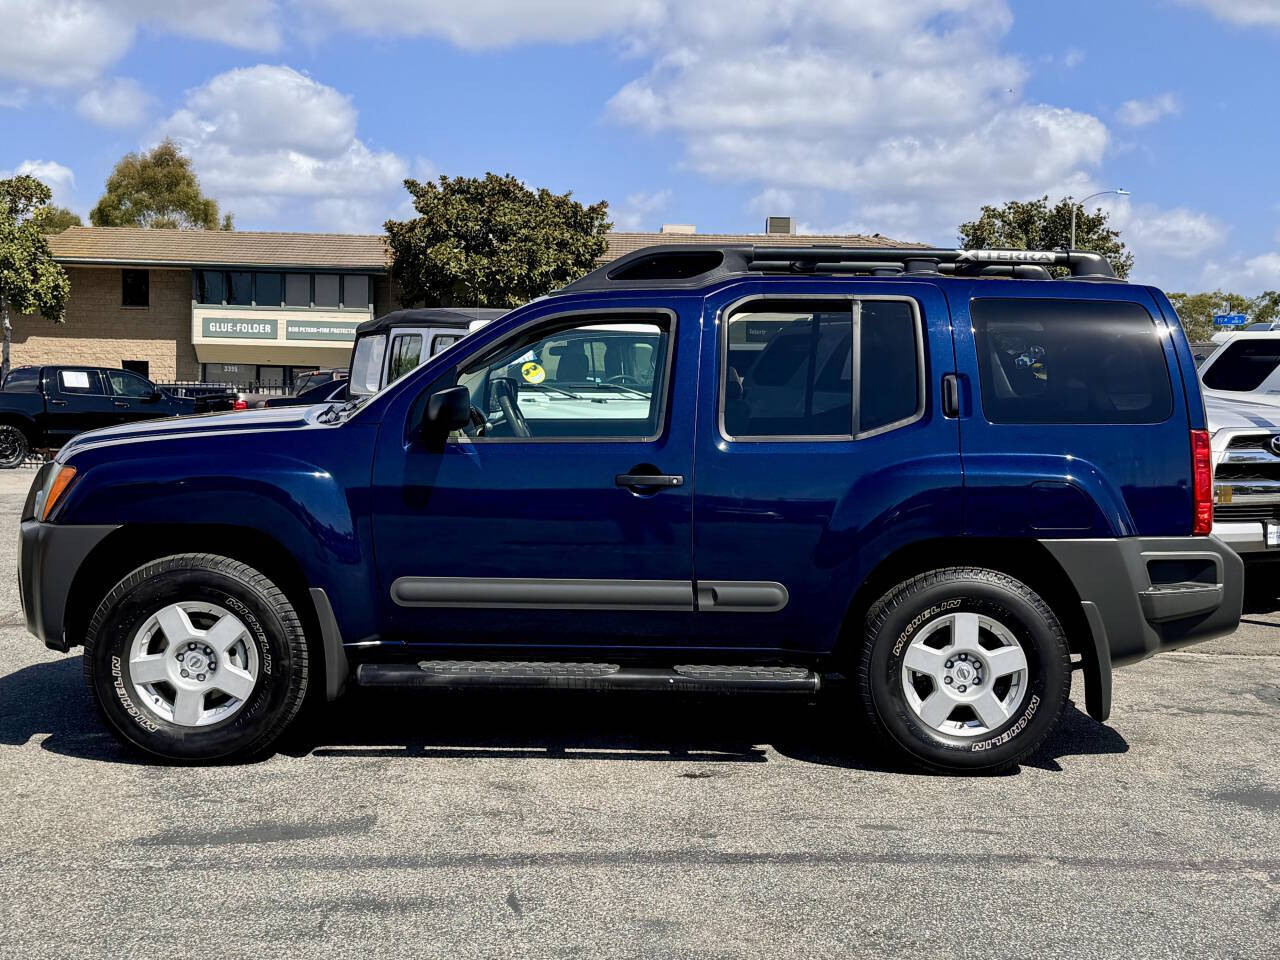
[(248, 307)]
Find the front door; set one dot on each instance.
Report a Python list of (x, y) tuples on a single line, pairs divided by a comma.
[(133, 398), (561, 516), (822, 449)]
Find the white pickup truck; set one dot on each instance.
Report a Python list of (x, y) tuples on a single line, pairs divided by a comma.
[(1246, 473), (1245, 366)]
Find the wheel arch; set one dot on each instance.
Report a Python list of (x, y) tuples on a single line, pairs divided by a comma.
[(132, 545), (26, 424), (1026, 560)]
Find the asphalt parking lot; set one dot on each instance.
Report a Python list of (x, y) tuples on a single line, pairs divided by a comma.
[(521, 826)]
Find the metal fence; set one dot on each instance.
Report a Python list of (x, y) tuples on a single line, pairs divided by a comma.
[(204, 388)]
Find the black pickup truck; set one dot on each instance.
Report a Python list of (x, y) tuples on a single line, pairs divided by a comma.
[(44, 407)]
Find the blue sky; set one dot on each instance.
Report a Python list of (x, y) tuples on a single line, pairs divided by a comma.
[(894, 116)]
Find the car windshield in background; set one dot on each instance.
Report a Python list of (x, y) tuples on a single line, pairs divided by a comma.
[(366, 365), (1244, 365)]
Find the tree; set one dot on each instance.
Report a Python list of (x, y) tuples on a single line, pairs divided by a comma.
[(57, 219), (1037, 226), (1196, 310), (30, 279), (156, 189), (492, 241)]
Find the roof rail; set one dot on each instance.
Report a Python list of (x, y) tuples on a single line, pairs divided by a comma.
[(690, 265)]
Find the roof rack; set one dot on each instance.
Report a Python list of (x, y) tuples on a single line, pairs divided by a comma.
[(687, 265)]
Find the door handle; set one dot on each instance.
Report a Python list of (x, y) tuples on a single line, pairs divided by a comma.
[(950, 395), (635, 481), (57, 403), (120, 403)]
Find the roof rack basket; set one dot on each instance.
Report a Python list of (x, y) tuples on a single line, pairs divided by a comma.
[(689, 265)]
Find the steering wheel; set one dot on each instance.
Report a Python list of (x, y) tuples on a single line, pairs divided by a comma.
[(625, 380), (505, 392)]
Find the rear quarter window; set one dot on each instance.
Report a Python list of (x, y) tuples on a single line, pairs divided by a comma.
[(1070, 361), (1244, 366)]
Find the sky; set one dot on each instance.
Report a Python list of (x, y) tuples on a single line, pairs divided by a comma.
[(898, 117)]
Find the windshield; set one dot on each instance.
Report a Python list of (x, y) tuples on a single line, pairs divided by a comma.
[(366, 365)]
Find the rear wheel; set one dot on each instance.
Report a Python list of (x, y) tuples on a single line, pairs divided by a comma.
[(964, 669), (196, 657), (13, 447)]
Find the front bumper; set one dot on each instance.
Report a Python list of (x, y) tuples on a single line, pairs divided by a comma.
[(1247, 538), (49, 557)]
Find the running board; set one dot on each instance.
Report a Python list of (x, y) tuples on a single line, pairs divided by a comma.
[(588, 676)]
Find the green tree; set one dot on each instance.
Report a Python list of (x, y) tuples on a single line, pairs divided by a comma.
[(157, 189), (492, 241), (30, 279), (1035, 225), (57, 219)]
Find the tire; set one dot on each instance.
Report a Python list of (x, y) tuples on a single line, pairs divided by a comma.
[(236, 631), (987, 646), (14, 447)]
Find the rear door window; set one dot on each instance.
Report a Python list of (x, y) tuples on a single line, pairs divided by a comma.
[(79, 382), (406, 354), (1244, 365), (1070, 361)]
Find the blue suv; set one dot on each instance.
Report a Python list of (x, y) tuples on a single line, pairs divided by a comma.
[(947, 476)]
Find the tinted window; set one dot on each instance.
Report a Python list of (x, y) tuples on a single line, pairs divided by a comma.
[(1244, 365), (25, 380), (555, 383), (270, 290), (789, 372), (79, 381), (355, 290), (1070, 361), (211, 286), (135, 288), (240, 288), (297, 289), (889, 378), (326, 290), (125, 384), (406, 354)]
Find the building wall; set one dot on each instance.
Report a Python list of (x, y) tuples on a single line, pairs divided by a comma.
[(100, 332)]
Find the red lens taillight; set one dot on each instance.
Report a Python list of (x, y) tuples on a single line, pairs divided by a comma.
[(240, 405), (1201, 482)]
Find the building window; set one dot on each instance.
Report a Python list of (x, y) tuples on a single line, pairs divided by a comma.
[(326, 290), (140, 367), (211, 286), (297, 289), (355, 290), (270, 290), (240, 288), (135, 288)]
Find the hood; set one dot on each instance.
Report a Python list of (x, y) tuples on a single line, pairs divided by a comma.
[(246, 421), (1222, 413)]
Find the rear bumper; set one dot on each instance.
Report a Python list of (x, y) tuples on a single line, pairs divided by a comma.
[(1143, 595), (50, 555)]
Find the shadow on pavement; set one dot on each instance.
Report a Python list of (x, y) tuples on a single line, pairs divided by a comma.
[(50, 698)]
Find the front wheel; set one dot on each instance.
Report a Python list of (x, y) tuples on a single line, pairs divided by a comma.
[(196, 657), (964, 669)]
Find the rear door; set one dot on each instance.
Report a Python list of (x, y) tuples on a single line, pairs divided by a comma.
[(821, 449), (76, 400), (1072, 425)]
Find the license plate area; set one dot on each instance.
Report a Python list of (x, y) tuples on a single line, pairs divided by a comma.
[(1272, 530)]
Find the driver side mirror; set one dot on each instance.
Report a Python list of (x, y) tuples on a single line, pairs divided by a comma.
[(153, 397), (447, 410)]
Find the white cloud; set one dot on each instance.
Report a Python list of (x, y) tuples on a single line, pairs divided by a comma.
[(1248, 277), (1178, 233), (637, 211), (70, 43), (121, 103), (1073, 58), (1140, 113), (272, 143), (1243, 12), (52, 174)]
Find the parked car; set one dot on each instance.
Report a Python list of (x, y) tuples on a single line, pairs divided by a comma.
[(326, 391), (44, 407), (939, 473), (1246, 476), (315, 378), (390, 346), (1245, 366)]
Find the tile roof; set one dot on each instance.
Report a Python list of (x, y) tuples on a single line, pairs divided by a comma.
[(621, 243), (125, 245)]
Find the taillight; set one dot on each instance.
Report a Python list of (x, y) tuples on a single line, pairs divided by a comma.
[(240, 405), (1201, 482)]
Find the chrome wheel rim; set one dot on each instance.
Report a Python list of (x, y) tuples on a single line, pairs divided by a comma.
[(193, 663), (965, 675)]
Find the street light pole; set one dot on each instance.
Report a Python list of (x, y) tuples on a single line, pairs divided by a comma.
[(1119, 192)]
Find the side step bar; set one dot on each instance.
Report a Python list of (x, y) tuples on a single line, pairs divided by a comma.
[(588, 676)]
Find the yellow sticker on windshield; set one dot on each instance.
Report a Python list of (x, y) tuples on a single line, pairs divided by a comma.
[(533, 372)]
